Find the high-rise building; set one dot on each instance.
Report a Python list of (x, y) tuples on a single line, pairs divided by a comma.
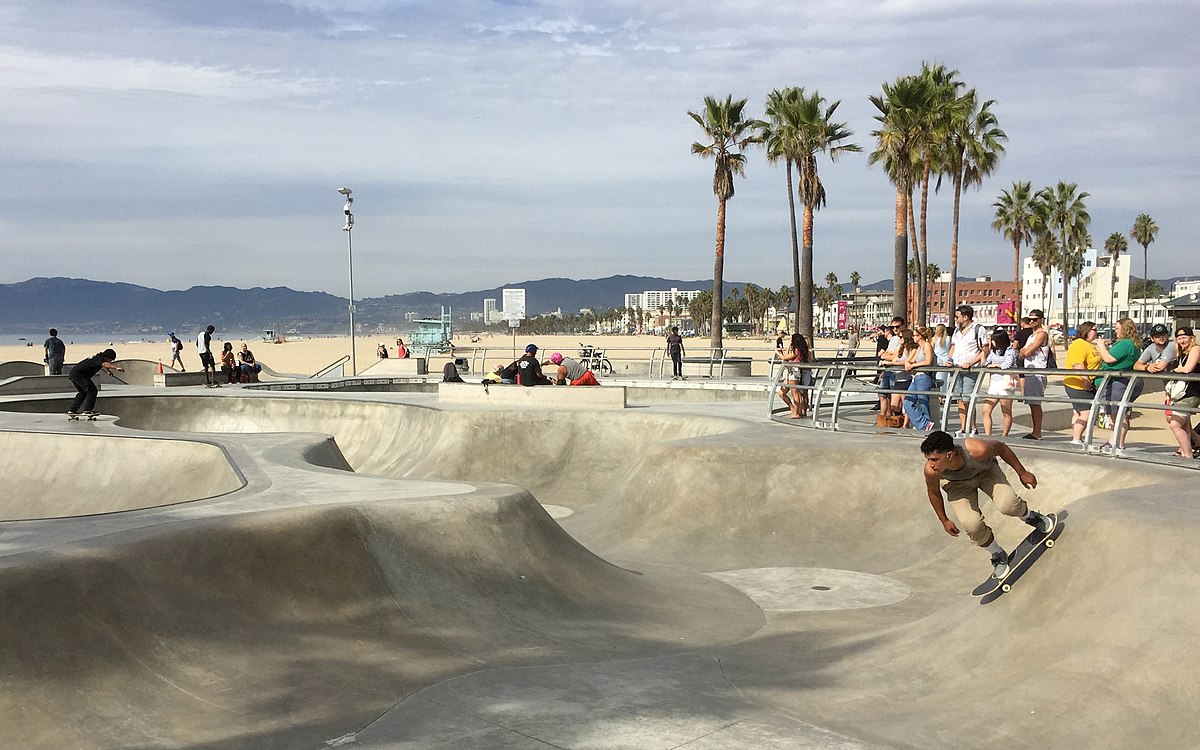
[(489, 311)]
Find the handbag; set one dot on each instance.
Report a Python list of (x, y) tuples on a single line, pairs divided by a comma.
[(892, 421), (1176, 389)]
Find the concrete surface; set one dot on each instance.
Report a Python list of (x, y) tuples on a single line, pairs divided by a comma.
[(18, 368), (387, 577), (541, 396), (392, 366)]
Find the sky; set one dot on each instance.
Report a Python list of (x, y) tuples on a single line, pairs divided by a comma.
[(172, 143)]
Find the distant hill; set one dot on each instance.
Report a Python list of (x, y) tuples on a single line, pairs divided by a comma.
[(100, 307)]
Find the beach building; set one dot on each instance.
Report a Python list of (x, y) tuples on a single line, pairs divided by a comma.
[(490, 314)]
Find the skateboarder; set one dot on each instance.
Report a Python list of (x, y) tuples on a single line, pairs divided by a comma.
[(81, 377), (968, 465)]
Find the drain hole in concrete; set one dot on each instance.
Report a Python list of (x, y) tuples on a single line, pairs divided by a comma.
[(821, 588)]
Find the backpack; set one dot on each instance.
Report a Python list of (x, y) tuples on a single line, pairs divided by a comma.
[(1051, 360)]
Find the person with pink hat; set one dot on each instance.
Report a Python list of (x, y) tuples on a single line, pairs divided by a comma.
[(571, 371)]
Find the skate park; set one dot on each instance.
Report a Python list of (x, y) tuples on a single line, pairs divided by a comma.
[(265, 568)]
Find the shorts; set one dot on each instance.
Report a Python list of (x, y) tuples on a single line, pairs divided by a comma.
[(1115, 391), (1080, 399), (887, 380), (206, 358), (1035, 386), (1001, 386), (964, 385), (1187, 402)]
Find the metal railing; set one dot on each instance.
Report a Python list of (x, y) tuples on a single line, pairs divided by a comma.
[(840, 390)]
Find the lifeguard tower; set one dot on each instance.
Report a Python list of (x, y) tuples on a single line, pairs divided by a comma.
[(432, 336)]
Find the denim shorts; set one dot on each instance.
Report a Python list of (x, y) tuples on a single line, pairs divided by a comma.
[(964, 385)]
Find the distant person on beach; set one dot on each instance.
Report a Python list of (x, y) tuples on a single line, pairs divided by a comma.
[(176, 352), (676, 350), (571, 372), (966, 466), (401, 350), (207, 363), (81, 377), (56, 352), (381, 351)]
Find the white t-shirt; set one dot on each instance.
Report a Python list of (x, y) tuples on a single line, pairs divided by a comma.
[(200, 347), (965, 345)]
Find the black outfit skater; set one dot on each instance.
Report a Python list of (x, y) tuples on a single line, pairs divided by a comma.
[(81, 377)]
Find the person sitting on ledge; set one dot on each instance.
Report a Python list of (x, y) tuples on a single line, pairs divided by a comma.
[(571, 371), (529, 370)]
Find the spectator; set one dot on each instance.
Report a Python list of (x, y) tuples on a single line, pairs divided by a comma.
[(887, 356), (56, 353), (908, 349), (795, 397), (941, 352), (1002, 354), (1121, 356), (968, 349), (401, 350), (1035, 355), (916, 405), (381, 351), (529, 370), (1081, 355), (249, 366), (571, 372), (450, 373), (228, 363), (176, 352), (675, 349), (1188, 361), (204, 349)]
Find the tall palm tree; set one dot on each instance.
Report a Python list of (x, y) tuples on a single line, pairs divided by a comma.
[(831, 281), (779, 136), (824, 299), (728, 132), (900, 107), (1017, 218), (807, 129), (973, 148), (1067, 214), (1114, 246), (1045, 257), (1143, 233), (1071, 262), (855, 279)]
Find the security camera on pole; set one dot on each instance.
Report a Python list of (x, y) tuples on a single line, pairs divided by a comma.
[(350, 251)]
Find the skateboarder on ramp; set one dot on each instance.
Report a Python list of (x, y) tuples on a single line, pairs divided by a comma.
[(966, 466), (81, 377)]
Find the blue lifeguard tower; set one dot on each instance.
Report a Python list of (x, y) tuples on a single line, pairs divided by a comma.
[(432, 336)]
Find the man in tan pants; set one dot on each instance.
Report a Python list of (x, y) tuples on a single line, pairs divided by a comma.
[(968, 465)]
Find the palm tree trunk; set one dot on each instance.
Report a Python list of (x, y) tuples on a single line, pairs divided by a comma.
[(914, 238), (796, 252), (900, 255), (1017, 263), (923, 281), (954, 245), (1145, 289), (805, 294), (718, 280), (1066, 284)]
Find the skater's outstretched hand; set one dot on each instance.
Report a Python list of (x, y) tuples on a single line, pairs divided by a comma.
[(950, 528), (1028, 479)]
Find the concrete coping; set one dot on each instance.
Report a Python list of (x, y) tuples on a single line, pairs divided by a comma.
[(171, 379), (549, 396)]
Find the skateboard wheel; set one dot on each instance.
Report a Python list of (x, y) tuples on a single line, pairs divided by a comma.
[(1049, 542), (1006, 588)]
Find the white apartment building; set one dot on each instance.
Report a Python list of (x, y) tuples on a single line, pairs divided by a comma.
[(1101, 294), (489, 311), (652, 300)]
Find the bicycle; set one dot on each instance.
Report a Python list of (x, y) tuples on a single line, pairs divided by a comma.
[(594, 359)]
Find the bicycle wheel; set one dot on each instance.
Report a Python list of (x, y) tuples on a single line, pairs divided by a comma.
[(605, 367)]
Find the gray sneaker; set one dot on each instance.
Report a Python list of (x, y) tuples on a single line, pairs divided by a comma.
[(1040, 522), (999, 565)]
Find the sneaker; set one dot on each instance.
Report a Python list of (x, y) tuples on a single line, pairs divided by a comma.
[(999, 565), (1030, 436), (1076, 442), (1106, 447), (1042, 523), (928, 427), (875, 407), (959, 434)]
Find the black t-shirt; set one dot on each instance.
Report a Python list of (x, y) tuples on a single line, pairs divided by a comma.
[(529, 370), (1022, 337), (247, 356), (55, 348), (89, 367)]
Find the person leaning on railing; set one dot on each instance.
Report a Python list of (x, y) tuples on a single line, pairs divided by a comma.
[(1081, 355), (1121, 355), (916, 405), (1180, 423)]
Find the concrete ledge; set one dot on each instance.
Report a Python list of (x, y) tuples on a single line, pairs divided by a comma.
[(18, 369), (390, 366), (549, 396), (171, 379), (735, 367), (41, 384)]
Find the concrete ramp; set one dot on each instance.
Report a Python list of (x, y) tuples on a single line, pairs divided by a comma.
[(58, 475)]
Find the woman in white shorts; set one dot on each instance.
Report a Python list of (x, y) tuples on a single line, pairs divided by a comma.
[(1003, 384)]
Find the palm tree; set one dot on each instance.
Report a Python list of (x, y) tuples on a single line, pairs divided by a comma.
[(1067, 214), (779, 134), (973, 148), (729, 132), (807, 129), (1017, 218), (824, 299), (900, 107), (1114, 246), (855, 278), (1071, 262), (831, 281), (1045, 257), (1143, 233)]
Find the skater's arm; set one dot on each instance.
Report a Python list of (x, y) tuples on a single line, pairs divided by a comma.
[(110, 366), (934, 490), (1002, 451)]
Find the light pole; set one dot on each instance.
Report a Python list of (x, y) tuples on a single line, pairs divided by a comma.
[(350, 252)]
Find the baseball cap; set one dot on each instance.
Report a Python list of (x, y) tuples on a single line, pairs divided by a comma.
[(1035, 314), (172, 333), (556, 358), (531, 349), (1184, 331), (1158, 329)]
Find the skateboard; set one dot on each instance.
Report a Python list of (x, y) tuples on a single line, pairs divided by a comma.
[(1024, 551), (89, 416)]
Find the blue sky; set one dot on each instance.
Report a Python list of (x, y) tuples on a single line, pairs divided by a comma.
[(176, 142)]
